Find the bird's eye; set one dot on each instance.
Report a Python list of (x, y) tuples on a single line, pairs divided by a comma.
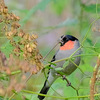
[(64, 39)]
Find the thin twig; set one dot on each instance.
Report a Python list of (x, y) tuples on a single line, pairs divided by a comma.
[(50, 51), (64, 98), (97, 8), (89, 30), (69, 84), (28, 78)]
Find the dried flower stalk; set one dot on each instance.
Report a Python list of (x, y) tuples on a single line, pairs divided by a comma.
[(93, 79), (25, 47)]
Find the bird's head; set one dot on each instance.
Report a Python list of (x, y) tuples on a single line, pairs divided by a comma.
[(67, 42)]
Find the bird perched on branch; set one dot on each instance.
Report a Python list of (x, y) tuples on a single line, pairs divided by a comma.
[(68, 47)]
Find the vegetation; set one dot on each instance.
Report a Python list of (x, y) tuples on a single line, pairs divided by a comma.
[(29, 30)]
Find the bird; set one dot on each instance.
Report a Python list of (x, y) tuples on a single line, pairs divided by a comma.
[(68, 45)]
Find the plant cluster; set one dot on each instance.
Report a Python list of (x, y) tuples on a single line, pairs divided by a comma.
[(24, 57)]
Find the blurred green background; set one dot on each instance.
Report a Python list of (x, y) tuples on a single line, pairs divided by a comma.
[(50, 19)]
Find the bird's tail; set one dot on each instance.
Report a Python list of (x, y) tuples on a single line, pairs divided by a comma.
[(44, 90)]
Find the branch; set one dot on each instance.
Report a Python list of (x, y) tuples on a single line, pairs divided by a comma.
[(65, 98), (69, 84), (93, 79)]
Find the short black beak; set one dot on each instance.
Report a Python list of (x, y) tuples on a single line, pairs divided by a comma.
[(61, 40)]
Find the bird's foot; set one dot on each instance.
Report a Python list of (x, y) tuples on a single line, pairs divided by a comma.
[(64, 77), (57, 74), (68, 84)]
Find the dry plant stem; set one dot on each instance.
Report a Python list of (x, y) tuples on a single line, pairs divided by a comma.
[(93, 79), (25, 43)]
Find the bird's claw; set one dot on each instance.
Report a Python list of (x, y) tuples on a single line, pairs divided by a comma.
[(64, 77), (69, 84), (57, 74)]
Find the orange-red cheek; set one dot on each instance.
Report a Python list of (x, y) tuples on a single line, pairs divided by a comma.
[(67, 46)]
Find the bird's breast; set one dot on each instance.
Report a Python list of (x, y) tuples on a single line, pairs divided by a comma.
[(70, 67)]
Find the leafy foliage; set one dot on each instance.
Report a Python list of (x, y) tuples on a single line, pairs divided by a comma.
[(82, 24), (91, 8), (7, 48)]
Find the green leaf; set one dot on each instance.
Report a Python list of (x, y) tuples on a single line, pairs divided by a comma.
[(97, 46), (86, 68), (4, 78), (7, 48), (17, 39), (91, 8)]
